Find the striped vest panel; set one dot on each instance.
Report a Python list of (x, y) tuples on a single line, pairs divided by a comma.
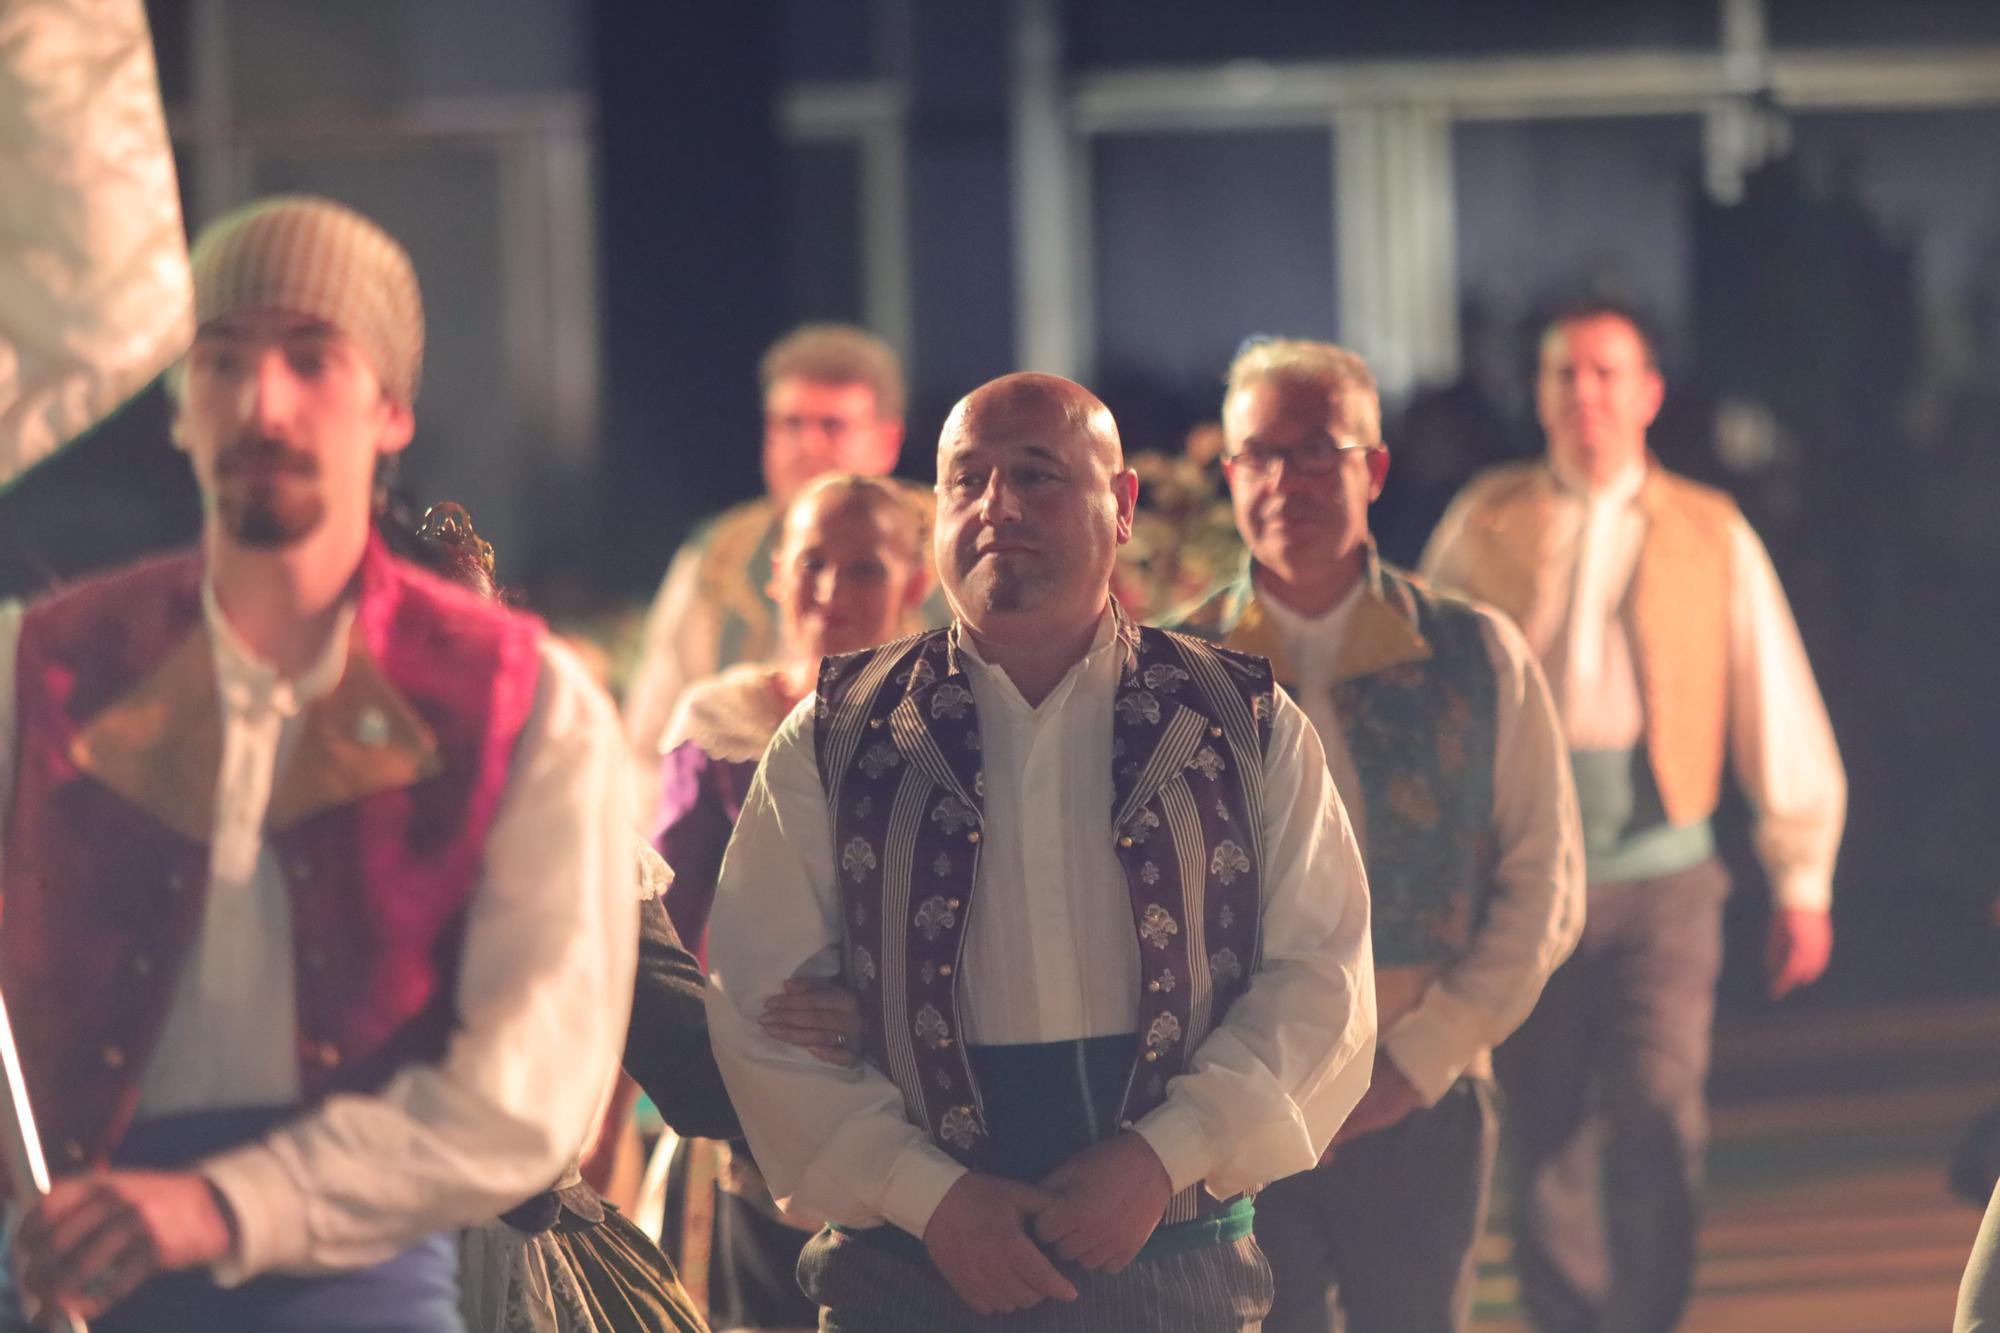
[(899, 755)]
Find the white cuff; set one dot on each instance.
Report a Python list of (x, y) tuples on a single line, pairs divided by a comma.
[(1802, 890), (917, 1183), (1177, 1138), (1427, 1052), (268, 1210)]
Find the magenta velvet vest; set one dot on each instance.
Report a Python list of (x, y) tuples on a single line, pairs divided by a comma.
[(377, 819)]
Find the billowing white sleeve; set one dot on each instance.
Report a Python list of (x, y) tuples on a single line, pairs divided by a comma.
[(1535, 915), (1267, 1089), (1979, 1287), (1781, 741), (834, 1144), (544, 992), (677, 649)]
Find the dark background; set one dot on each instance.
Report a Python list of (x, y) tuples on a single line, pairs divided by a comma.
[(613, 212)]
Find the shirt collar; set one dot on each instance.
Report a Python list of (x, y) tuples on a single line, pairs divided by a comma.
[(1621, 489), (1324, 629), (249, 683), (1097, 659)]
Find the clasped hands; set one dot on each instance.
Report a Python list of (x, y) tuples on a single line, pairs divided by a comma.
[(1097, 1210)]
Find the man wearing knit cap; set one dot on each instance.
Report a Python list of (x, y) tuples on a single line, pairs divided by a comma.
[(318, 921)]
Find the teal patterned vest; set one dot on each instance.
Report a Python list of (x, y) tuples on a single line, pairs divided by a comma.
[(1418, 707), (898, 738)]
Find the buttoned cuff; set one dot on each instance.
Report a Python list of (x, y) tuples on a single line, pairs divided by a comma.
[(1429, 1050), (1175, 1135), (268, 1209), (1802, 890), (917, 1184)]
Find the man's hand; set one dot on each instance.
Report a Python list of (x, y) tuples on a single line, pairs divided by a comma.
[(823, 1017), (1800, 945), (93, 1239), (1112, 1196), (978, 1239), (1389, 1098)]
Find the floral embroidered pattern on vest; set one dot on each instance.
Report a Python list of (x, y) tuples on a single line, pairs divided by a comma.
[(898, 742), (1418, 716)]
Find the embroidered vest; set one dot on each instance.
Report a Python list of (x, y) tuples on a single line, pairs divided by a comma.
[(1680, 609), (898, 743), (735, 571), (377, 822), (1418, 708)]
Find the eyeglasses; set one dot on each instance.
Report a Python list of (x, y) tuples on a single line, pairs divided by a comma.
[(1316, 458)]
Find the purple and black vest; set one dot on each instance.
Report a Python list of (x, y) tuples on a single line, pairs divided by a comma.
[(898, 741)]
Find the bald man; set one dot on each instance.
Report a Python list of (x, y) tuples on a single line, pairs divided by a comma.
[(1101, 905)]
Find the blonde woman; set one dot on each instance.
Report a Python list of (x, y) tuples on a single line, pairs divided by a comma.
[(849, 568)]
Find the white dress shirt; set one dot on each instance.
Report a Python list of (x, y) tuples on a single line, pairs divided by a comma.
[(1445, 1024), (544, 986), (1781, 743), (1050, 955)]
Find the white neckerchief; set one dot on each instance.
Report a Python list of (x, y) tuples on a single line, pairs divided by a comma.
[(257, 703), (1593, 598)]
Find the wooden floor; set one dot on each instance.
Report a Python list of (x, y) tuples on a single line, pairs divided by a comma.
[(1827, 1209)]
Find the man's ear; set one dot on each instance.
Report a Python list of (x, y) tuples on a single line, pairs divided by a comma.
[(1656, 395), (399, 424), (1378, 471), (888, 447), (1125, 489)]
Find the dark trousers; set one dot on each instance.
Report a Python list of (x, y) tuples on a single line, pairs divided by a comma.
[(1606, 1122), (1386, 1230)]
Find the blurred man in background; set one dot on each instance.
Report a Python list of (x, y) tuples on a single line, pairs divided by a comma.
[(1670, 648), (833, 402)]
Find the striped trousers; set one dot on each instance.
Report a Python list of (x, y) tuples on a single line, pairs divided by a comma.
[(865, 1287)]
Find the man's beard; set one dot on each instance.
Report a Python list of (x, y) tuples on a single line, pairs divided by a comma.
[(267, 511), (1006, 588)]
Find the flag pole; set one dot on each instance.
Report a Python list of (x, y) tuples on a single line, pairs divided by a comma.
[(27, 1168)]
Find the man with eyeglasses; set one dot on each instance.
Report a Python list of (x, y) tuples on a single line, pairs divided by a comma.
[(1442, 741), (1667, 638)]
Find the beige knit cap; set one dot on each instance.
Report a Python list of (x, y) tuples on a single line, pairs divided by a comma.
[(316, 257)]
